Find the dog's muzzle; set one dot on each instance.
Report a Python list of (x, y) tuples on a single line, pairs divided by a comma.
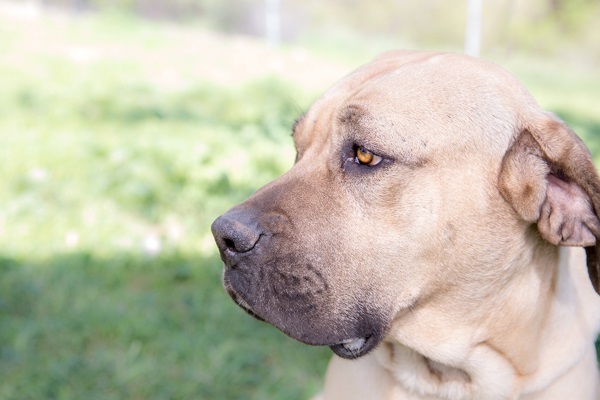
[(272, 282)]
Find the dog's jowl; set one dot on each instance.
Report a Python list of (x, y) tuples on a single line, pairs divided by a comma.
[(438, 228)]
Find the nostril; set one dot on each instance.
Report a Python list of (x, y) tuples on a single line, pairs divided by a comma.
[(229, 244), (240, 243)]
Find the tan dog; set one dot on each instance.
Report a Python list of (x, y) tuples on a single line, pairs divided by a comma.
[(418, 232)]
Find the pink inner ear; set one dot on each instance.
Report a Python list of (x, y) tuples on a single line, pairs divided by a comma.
[(567, 217)]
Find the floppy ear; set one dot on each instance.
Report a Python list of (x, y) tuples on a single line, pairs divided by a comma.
[(549, 178)]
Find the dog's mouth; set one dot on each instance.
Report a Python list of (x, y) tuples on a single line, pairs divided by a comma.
[(364, 339), (237, 299), (353, 348), (349, 348)]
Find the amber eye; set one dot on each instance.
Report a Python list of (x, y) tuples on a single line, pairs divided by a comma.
[(366, 157)]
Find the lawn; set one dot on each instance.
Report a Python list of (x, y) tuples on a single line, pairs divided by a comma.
[(122, 141)]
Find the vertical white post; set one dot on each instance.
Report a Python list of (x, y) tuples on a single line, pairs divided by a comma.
[(273, 22), (473, 30)]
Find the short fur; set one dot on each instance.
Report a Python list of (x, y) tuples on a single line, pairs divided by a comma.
[(444, 258)]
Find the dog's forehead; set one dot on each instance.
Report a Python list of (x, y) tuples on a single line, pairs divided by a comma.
[(418, 96), (433, 83)]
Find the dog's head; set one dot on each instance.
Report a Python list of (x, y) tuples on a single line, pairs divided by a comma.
[(413, 177)]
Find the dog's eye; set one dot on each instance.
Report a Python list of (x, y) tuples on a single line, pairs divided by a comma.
[(365, 157)]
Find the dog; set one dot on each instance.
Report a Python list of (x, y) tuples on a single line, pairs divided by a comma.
[(437, 231)]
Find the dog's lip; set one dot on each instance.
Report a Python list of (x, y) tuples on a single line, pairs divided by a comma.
[(244, 306), (237, 299), (354, 347), (348, 348)]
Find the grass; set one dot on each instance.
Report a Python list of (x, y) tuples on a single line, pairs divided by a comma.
[(84, 326), (110, 280), (116, 157)]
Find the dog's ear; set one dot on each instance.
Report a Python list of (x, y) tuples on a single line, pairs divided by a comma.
[(549, 178)]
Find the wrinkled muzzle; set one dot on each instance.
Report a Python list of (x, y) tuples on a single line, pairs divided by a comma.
[(275, 274)]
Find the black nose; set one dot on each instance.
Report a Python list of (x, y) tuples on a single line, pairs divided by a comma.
[(235, 233)]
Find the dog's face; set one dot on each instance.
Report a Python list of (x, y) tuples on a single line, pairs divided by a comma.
[(395, 186)]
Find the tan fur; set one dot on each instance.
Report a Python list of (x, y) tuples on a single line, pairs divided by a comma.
[(525, 330), (451, 245)]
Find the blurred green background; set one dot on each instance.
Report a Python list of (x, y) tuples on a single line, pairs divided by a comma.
[(127, 126)]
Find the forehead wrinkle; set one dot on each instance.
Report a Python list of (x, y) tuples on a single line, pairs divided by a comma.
[(351, 115), (352, 119), (383, 136), (361, 125)]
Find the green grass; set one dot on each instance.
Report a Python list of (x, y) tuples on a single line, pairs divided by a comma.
[(83, 326), (99, 164), (102, 160)]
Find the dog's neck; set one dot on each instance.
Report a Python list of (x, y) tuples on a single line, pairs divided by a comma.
[(517, 339)]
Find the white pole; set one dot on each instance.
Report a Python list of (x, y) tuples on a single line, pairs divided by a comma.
[(473, 30), (273, 22)]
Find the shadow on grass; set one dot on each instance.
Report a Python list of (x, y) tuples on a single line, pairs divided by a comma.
[(85, 326), (82, 326)]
